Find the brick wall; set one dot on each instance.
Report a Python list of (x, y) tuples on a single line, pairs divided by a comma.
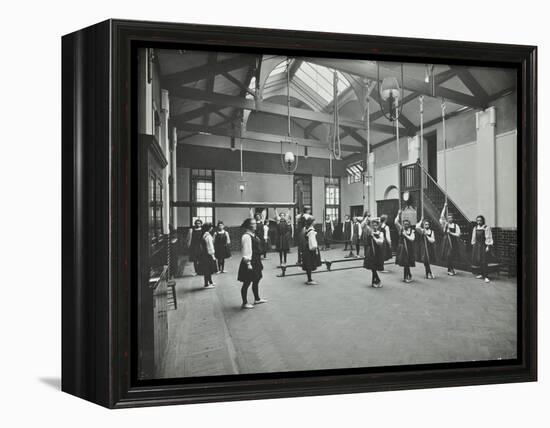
[(505, 247)]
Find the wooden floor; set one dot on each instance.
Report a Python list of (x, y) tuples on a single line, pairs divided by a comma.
[(341, 322)]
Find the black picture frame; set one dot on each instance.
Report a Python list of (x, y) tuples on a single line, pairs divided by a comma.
[(98, 214)]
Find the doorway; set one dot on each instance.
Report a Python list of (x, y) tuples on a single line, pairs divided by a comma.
[(431, 154)]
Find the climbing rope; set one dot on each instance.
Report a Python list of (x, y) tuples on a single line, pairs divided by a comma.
[(335, 146)]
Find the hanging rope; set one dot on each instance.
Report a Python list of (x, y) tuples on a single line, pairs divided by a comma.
[(421, 156), (443, 108), (336, 146), (398, 154), (367, 171)]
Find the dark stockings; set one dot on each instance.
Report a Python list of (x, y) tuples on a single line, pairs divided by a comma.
[(255, 290), (308, 272), (375, 277), (407, 272), (221, 264), (207, 280), (427, 267), (282, 256)]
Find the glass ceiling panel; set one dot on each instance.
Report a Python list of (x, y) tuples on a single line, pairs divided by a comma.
[(320, 79)]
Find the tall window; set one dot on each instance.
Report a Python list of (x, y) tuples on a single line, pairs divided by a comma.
[(202, 190), (332, 198), (302, 192)]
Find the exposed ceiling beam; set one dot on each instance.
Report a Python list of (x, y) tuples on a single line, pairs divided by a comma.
[(267, 107), (294, 66), (193, 114), (470, 82), (369, 70), (426, 125), (259, 136), (212, 59), (207, 71), (238, 83)]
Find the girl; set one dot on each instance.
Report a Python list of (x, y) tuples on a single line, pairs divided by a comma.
[(311, 258), (267, 244), (194, 239), (427, 245), (405, 251), (356, 237), (374, 249), (250, 269), (283, 238), (259, 232), (482, 241), (301, 220), (221, 246), (328, 230), (385, 229), (207, 260), (347, 231), (451, 241)]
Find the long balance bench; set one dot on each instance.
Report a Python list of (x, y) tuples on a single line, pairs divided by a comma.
[(327, 263)]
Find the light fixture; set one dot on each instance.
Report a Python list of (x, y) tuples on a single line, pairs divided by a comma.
[(390, 92), (289, 160)]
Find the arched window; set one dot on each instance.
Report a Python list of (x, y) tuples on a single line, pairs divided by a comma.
[(391, 193)]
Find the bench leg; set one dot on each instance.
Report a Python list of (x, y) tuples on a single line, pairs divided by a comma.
[(329, 264)]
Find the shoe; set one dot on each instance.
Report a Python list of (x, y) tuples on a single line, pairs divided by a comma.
[(311, 283), (224, 271), (247, 306), (209, 286), (383, 271), (487, 280), (449, 273), (453, 273), (479, 276), (212, 283), (259, 302), (408, 280)]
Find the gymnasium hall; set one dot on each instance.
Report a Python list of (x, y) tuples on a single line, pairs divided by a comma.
[(301, 213)]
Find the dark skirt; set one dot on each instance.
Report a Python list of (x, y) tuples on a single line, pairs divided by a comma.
[(450, 248), (311, 259), (250, 275), (206, 265), (387, 251), (479, 254), (328, 236), (427, 251), (405, 254), (194, 251), (374, 257), (222, 251)]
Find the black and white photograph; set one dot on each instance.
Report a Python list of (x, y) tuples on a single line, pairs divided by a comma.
[(302, 213)]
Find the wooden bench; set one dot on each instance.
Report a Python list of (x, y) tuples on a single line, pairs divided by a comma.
[(327, 263)]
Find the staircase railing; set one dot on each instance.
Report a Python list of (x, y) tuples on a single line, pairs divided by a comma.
[(436, 195)]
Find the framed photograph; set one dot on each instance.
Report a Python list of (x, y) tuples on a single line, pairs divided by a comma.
[(253, 213)]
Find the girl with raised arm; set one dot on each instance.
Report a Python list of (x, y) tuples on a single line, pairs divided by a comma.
[(385, 229), (482, 241), (250, 269), (451, 240), (405, 250), (427, 245), (374, 248)]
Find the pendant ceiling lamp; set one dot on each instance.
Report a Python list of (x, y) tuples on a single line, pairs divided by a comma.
[(289, 159), (390, 91)]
